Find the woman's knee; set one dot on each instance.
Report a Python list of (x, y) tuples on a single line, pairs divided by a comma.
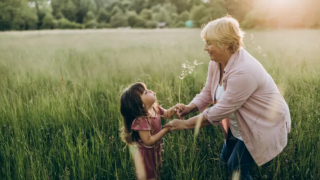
[(232, 166)]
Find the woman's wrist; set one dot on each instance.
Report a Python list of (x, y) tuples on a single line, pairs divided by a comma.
[(192, 107), (187, 124)]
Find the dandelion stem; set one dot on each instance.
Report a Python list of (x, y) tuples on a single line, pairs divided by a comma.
[(179, 92)]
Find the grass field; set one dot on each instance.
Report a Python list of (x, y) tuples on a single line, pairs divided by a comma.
[(59, 101)]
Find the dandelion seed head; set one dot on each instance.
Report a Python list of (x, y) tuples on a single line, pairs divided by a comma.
[(259, 49), (188, 68)]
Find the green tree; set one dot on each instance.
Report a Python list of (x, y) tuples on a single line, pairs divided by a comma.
[(146, 14), (48, 21), (118, 20), (199, 15), (64, 23), (25, 18), (172, 9), (89, 17), (103, 16), (216, 9), (116, 10), (161, 16), (137, 5), (181, 5), (90, 21), (8, 11), (184, 16), (151, 24), (56, 7), (69, 10), (132, 18), (83, 6), (238, 9)]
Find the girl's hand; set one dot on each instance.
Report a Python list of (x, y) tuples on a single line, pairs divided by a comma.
[(176, 124)]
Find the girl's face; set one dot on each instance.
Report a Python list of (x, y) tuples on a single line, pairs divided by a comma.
[(148, 98)]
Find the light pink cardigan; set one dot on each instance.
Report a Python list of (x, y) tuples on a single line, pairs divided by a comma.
[(250, 93)]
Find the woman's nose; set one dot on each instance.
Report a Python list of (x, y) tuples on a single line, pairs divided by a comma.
[(205, 47)]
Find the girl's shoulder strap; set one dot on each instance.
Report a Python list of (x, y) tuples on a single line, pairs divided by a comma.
[(141, 124)]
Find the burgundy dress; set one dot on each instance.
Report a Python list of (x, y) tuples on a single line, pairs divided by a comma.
[(151, 154)]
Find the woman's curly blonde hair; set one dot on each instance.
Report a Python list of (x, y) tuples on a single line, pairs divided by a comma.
[(224, 31)]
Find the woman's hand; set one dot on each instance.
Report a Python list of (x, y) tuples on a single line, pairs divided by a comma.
[(176, 124), (186, 110), (174, 110), (178, 108)]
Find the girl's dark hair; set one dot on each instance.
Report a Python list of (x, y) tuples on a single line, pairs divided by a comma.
[(131, 107)]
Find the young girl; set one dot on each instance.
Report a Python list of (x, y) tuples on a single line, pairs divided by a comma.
[(142, 125)]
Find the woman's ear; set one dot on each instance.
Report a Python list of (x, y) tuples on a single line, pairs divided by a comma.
[(225, 48)]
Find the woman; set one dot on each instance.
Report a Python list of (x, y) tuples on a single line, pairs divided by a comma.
[(258, 118)]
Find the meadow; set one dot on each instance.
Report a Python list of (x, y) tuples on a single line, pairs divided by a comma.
[(59, 101)]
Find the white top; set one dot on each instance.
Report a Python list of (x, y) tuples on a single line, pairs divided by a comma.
[(233, 121)]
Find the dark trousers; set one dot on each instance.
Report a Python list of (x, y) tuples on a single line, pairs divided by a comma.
[(236, 156)]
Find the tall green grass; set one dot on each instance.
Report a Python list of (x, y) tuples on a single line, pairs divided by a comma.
[(59, 94)]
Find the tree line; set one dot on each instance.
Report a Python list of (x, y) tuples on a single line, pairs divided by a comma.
[(79, 14)]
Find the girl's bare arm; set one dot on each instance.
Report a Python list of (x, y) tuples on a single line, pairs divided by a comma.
[(150, 140)]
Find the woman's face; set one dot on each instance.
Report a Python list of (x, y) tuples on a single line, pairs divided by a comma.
[(216, 53)]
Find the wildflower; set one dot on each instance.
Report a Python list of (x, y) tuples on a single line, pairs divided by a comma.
[(182, 75), (195, 62), (187, 67), (259, 49)]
